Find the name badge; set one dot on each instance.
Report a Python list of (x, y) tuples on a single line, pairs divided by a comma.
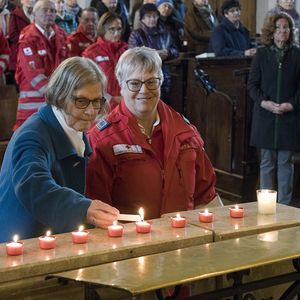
[(125, 148), (84, 45)]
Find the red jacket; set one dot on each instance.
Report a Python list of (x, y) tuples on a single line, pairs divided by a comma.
[(17, 22), (126, 173), (106, 54), (78, 41), (4, 52), (36, 60)]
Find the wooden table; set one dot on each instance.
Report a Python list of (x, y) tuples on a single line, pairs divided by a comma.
[(224, 227), (182, 266)]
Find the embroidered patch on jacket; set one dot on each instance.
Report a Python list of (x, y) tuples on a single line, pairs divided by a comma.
[(32, 65), (101, 124), (27, 51), (84, 45), (125, 148), (42, 52), (101, 58)]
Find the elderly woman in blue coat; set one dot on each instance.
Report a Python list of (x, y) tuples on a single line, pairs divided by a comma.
[(42, 180), (274, 85), (154, 36)]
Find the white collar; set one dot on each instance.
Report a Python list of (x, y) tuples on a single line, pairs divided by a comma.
[(157, 121), (43, 31)]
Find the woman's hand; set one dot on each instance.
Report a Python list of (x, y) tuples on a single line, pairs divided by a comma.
[(101, 214), (277, 108)]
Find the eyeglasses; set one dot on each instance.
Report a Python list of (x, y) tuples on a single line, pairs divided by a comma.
[(134, 85), (233, 10), (83, 103), (113, 30)]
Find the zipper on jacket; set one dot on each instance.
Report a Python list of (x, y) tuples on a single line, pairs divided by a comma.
[(277, 101), (163, 177), (178, 169)]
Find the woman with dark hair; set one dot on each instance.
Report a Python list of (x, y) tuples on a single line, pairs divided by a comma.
[(274, 85), (107, 50), (42, 179)]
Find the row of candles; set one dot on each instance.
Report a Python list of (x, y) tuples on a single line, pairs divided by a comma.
[(81, 236), (266, 205)]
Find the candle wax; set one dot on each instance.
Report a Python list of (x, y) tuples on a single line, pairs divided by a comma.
[(80, 237), (178, 222), (14, 248), (206, 217), (115, 230), (143, 227), (47, 242), (236, 212)]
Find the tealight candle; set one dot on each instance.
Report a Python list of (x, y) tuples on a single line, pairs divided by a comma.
[(178, 221), (266, 200), (143, 226), (80, 236), (47, 241), (236, 212), (15, 247), (115, 230), (206, 216)]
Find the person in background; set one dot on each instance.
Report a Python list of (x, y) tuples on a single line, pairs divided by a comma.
[(135, 8), (107, 51), (230, 38), (275, 88), (137, 17), (86, 34), (145, 154), (286, 6), (20, 17), (42, 179), (73, 10), (179, 10), (152, 35), (169, 21), (199, 23), (62, 19), (5, 8), (41, 48), (116, 6), (4, 53)]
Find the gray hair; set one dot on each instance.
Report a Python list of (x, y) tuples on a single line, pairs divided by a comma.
[(73, 74), (39, 3), (140, 59)]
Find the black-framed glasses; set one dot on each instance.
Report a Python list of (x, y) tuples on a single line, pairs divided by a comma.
[(83, 103), (134, 85)]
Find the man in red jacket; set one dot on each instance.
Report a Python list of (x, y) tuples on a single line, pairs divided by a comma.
[(41, 48), (86, 34), (4, 52)]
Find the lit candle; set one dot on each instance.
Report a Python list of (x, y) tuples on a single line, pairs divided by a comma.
[(206, 216), (178, 221), (115, 230), (47, 241), (236, 212), (15, 247), (80, 236), (143, 226), (266, 200)]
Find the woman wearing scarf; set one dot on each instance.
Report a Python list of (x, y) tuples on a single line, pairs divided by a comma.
[(286, 6), (198, 26), (274, 85)]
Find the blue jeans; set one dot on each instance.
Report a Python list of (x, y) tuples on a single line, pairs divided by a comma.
[(277, 173)]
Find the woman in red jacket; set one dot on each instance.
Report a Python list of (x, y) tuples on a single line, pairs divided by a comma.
[(107, 50)]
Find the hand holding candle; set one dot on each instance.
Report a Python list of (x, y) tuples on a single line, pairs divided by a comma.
[(80, 236), (206, 216), (143, 226), (236, 212), (47, 241), (178, 221), (15, 247)]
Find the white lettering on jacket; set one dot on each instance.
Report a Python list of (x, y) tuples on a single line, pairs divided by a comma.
[(125, 148), (101, 58)]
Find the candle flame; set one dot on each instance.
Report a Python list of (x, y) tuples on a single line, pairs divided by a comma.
[(206, 211), (115, 223), (141, 213), (16, 238), (236, 207), (48, 233), (80, 228), (178, 215)]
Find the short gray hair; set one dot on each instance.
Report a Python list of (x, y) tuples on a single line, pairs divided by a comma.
[(39, 3), (73, 74), (140, 59)]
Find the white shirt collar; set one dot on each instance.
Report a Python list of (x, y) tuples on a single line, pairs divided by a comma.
[(157, 121), (43, 31)]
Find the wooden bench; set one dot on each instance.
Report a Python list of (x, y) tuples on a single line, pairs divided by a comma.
[(234, 258)]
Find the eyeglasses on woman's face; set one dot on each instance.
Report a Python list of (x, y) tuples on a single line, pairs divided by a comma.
[(82, 103), (134, 85)]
